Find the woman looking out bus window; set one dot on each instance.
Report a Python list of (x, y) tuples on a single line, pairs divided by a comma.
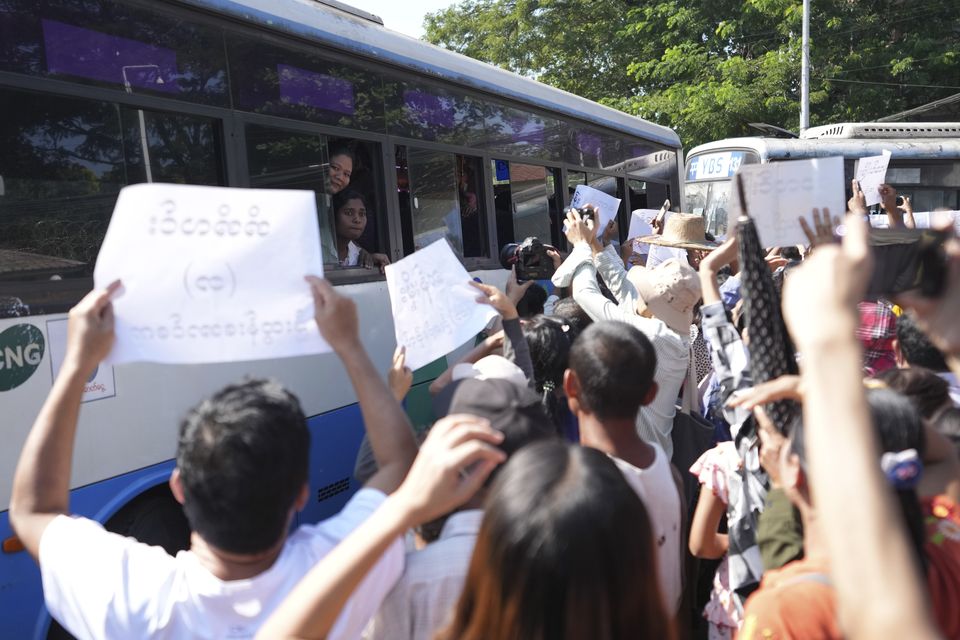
[(340, 169), (350, 220)]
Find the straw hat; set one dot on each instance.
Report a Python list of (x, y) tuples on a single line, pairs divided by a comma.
[(684, 231), (669, 290)]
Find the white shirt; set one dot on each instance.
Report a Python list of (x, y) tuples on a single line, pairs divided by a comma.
[(655, 420), (426, 594), (101, 585), (353, 255), (659, 494)]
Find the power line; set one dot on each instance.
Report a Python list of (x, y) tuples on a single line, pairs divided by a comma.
[(892, 84)]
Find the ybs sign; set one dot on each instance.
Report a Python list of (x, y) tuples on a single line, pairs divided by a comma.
[(21, 350)]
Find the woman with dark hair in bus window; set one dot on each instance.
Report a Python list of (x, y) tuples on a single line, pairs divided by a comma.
[(565, 552), (340, 169), (350, 220)]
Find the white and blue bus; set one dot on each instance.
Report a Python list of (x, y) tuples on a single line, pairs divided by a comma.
[(99, 94), (924, 162)]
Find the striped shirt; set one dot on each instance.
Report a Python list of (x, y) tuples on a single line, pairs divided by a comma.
[(655, 420)]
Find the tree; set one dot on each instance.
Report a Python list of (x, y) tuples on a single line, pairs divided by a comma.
[(709, 67)]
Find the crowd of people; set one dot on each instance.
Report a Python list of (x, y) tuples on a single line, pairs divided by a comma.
[(748, 447)]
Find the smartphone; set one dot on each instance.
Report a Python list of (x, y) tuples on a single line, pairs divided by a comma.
[(908, 260)]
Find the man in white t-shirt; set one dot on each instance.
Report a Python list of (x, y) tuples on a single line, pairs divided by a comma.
[(241, 475), (610, 375)]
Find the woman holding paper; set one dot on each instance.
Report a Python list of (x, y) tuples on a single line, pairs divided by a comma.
[(350, 221)]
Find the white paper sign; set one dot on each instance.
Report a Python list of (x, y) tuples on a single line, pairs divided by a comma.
[(212, 274), (779, 193), (99, 385), (435, 309), (641, 223), (871, 173), (660, 253), (606, 205), (925, 219)]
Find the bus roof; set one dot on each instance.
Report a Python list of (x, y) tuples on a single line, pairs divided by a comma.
[(792, 148), (345, 29)]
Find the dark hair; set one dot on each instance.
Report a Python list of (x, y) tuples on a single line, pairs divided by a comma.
[(531, 304), (947, 422), (243, 456), (342, 150), (565, 552), (898, 427), (790, 253), (928, 392), (916, 347), (615, 364), (342, 198), (550, 353), (573, 315)]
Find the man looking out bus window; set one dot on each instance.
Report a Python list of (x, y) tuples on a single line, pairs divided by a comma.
[(242, 460)]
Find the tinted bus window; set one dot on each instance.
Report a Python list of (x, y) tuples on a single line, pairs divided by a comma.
[(64, 161), (594, 149), (336, 170), (521, 133), (109, 44), (526, 202), (427, 112), (285, 82)]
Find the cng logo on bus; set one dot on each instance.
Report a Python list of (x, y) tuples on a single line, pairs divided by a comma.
[(21, 351)]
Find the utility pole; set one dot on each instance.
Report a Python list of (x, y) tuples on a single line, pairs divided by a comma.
[(805, 70)]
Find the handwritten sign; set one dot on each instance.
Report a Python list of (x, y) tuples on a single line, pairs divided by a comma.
[(871, 173), (779, 193), (641, 223), (435, 309), (659, 253), (212, 274), (606, 205)]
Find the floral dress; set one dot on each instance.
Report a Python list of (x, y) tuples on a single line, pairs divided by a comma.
[(716, 469)]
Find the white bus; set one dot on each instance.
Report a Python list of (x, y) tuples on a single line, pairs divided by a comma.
[(98, 94), (925, 162)]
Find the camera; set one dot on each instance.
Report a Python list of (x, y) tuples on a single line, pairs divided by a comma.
[(530, 258), (584, 213), (908, 260)]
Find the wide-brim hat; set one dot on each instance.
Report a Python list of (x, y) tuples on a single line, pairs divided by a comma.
[(683, 231), (669, 290)]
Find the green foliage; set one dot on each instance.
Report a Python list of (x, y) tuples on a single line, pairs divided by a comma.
[(709, 67)]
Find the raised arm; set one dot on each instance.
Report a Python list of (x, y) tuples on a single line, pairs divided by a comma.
[(515, 347), (436, 484), (41, 483), (879, 591), (388, 428)]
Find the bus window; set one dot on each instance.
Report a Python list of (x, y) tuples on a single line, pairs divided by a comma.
[(526, 202), (106, 43), (334, 169), (441, 196), (64, 161)]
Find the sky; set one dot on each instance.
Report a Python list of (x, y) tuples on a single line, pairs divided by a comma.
[(405, 16)]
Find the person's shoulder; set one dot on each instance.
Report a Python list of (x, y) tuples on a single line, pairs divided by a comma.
[(327, 533)]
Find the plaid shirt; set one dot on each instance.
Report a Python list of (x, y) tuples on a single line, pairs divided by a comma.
[(877, 331)]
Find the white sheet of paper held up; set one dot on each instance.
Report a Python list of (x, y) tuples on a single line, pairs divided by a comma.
[(607, 205), (871, 173), (435, 309), (779, 193), (212, 274), (640, 223)]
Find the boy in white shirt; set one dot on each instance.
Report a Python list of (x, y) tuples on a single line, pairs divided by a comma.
[(241, 475)]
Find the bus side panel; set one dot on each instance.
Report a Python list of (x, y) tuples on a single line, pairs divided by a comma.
[(22, 614)]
